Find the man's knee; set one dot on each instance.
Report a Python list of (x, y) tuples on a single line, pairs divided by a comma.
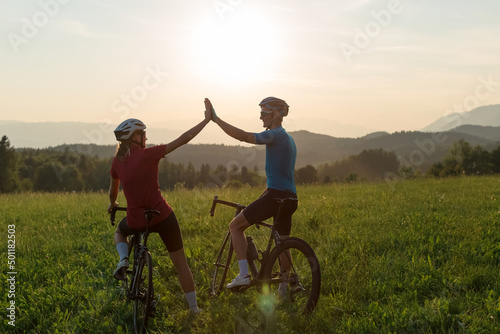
[(239, 223), (232, 226)]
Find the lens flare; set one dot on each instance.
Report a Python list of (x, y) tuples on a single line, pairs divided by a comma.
[(266, 301)]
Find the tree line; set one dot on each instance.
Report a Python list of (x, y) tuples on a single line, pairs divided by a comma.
[(463, 159), (49, 170)]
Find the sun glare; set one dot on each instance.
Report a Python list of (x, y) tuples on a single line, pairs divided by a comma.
[(236, 49)]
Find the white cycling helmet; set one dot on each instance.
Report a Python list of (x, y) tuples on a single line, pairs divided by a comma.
[(126, 129)]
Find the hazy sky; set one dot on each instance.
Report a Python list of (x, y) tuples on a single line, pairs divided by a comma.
[(346, 68)]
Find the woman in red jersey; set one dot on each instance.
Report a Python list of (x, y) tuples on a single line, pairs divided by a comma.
[(135, 167)]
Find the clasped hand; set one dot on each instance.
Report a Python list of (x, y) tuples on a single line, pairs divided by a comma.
[(210, 111)]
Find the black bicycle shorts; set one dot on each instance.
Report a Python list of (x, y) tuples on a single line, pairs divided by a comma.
[(168, 229), (266, 206)]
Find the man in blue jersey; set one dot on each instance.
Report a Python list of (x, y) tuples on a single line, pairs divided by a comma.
[(280, 164)]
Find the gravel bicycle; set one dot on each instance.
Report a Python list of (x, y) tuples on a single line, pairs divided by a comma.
[(297, 288), (138, 282)]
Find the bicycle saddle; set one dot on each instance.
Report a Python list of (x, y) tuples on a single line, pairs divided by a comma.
[(151, 213)]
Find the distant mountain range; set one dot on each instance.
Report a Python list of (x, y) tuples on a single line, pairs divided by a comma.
[(417, 149), (420, 149), (483, 116)]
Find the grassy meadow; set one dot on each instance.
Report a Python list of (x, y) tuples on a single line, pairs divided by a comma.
[(419, 256)]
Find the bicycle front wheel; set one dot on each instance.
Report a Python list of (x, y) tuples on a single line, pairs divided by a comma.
[(293, 273), (143, 293)]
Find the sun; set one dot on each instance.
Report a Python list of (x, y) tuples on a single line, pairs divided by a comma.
[(238, 48)]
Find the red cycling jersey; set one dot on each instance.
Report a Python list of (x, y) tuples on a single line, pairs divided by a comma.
[(138, 174)]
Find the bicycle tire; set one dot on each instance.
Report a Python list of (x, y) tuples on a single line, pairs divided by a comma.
[(143, 298), (303, 283), (222, 265)]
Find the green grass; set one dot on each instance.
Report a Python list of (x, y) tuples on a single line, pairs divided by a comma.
[(420, 256)]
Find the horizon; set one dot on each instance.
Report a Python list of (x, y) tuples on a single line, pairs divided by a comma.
[(345, 69), (47, 134)]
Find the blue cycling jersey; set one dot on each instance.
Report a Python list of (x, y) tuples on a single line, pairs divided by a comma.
[(281, 154)]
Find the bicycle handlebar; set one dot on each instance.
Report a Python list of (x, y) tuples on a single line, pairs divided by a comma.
[(217, 200), (113, 213)]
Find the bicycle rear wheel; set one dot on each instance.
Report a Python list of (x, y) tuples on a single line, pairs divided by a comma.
[(298, 289), (143, 294), (223, 266)]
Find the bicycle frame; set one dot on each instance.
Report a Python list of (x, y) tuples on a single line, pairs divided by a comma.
[(290, 269), (256, 274)]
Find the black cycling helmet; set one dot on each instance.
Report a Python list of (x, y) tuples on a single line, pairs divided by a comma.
[(274, 103)]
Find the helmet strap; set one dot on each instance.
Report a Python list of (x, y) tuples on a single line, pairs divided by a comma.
[(272, 122)]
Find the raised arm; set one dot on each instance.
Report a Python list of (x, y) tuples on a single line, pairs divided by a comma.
[(189, 134), (229, 129)]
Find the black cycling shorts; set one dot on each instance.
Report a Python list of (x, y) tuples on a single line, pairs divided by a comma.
[(266, 206), (168, 229)]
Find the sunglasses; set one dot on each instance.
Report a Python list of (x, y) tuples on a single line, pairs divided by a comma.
[(265, 113)]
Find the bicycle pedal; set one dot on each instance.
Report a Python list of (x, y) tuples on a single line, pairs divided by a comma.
[(140, 297), (154, 303), (297, 288), (237, 289)]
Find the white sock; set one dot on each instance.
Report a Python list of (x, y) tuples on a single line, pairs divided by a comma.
[(122, 249), (243, 264), (191, 299)]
